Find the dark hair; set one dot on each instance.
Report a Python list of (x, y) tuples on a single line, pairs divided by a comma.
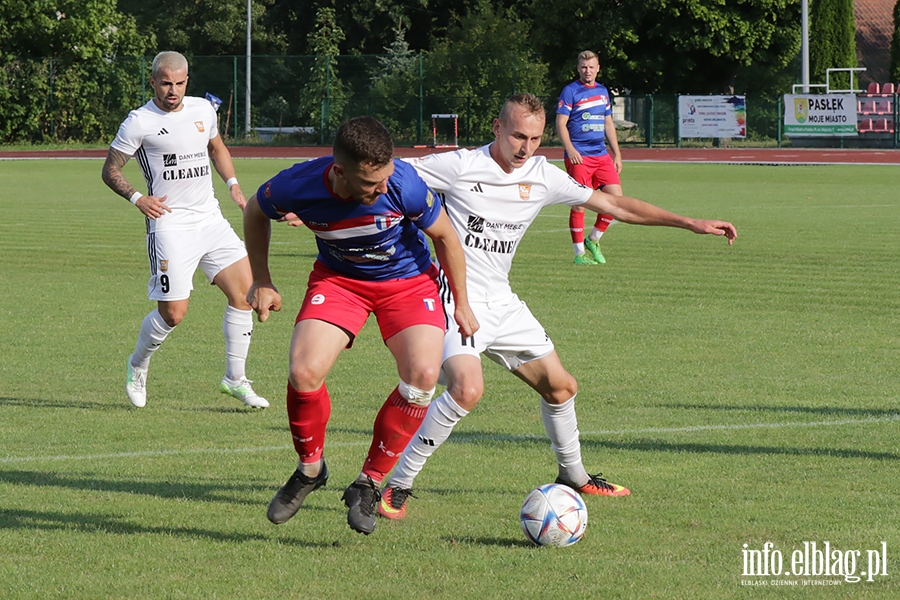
[(363, 141), (531, 103)]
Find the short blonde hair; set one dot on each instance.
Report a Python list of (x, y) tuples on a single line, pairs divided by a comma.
[(588, 55), (531, 103), (172, 61)]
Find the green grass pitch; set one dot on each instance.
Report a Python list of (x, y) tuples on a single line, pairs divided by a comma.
[(745, 394)]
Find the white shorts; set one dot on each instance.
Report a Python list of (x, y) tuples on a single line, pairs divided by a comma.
[(175, 256), (508, 334)]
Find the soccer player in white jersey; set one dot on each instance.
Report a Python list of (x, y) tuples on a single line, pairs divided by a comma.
[(174, 138), (492, 195)]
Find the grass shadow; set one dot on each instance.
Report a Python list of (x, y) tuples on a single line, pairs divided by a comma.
[(46, 403), (489, 541), (57, 521), (198, 492)]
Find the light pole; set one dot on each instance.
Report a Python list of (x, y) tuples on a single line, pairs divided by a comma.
[(804, 45), (247, 98)]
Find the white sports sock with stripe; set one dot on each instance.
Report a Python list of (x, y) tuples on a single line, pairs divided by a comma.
[(561, 424), (442, 416), (237, 327)]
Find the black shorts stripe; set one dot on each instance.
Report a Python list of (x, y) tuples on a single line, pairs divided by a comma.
[(446, 299)]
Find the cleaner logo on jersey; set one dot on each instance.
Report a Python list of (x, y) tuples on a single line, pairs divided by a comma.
[(525, 191)]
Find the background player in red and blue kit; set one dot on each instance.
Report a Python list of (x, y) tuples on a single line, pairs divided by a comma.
[(585, 125), (368, 213)]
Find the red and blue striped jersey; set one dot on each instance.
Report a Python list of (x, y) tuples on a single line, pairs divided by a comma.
[(374, 243), (587, 109)]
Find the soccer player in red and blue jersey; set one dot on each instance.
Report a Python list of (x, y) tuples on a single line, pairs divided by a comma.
[(585, 125), (371, 216)]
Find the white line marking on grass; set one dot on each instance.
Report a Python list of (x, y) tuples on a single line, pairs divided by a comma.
[(155, 453), (731, 427), (738, 426)]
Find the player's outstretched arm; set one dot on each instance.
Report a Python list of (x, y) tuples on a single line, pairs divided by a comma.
[(263, 295), (638, 212), (152, 206), (453, 260), (221, 160)]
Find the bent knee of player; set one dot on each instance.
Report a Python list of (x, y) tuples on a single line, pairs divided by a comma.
[(306, 377), (172, 313), (423, 376), (467, 394), (562, 390)]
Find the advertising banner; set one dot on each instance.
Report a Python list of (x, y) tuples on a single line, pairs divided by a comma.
[(820, 115), (712, 116)]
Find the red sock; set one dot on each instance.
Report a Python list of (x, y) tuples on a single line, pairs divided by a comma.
[(308, 413), (576, 226), (395, 425), (603, 222)]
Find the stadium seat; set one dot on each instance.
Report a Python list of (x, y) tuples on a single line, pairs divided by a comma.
[(888, 88), (868, 107), (881, 125), (874, 88), (864, 125)]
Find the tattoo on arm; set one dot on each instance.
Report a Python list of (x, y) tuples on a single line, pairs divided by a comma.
[(112, 173)]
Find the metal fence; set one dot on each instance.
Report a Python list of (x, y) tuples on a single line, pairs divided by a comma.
[(307, 97)]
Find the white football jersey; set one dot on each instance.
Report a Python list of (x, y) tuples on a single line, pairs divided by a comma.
[(491, 209), (171, 149)]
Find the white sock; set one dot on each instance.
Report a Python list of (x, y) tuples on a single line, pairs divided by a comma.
[(561, 425), (442, 416), (237, 327), (595, 235), (154, 331), (579, 248)]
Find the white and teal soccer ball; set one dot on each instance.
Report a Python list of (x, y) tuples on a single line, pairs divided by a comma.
[(554, 515)]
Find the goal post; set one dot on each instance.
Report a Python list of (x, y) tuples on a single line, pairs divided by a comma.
[(434, 129)]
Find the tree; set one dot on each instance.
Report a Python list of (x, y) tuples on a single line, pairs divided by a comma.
[(484, 59), (671, 46), (61, 68), (832, 40), (206, 27), (395, 87), (324, 96)]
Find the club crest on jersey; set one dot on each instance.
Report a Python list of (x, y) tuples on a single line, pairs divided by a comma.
[(525, 191), (164, 265), (268, 191), (383, 222), (199, 125)]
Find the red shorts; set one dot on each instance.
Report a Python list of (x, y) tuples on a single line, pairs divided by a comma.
[(594, 171), (397, 303)]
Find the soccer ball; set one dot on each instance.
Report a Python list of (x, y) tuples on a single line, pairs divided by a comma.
[(554, 515)]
